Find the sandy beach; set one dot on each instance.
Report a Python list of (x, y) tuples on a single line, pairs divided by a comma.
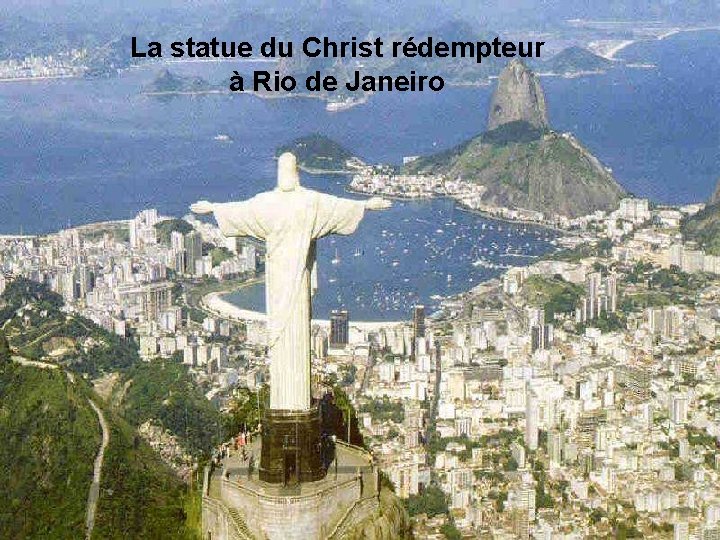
[(214, 303)]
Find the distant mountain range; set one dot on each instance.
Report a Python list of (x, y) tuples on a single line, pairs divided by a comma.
[(337, 14), (452, 70)]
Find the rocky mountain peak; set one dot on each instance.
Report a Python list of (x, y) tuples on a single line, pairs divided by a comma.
[(518, 97)]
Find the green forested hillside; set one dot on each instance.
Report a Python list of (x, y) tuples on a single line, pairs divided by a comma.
[(50, 436), (164, 391), (575, 59), (140, 496), (45, 332), (317, 152), (524, 167), (553, 293), (704, 228)]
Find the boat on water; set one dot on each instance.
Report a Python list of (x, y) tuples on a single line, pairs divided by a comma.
[(336, 259), (343, 103), (222, 137)]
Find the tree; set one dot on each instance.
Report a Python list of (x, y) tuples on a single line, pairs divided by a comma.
[(166, 228), (450, 531), (5, 353), (245, 409), (432, 502)]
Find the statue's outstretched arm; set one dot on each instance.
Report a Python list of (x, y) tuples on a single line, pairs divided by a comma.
[(202, 207)]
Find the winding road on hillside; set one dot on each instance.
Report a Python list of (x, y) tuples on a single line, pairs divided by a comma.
[(94, 492), (95, 486)]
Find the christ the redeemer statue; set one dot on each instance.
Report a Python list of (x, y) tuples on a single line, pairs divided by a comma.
[(289, 219)]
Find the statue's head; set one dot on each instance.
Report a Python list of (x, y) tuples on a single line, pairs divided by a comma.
[(288, 176)]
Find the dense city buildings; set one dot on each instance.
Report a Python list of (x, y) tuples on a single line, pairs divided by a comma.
[(565, 399)]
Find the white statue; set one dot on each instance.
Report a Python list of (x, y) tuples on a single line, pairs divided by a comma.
[(289, 219)]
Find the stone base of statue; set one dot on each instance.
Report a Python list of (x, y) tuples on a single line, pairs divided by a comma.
[(347, 502), (292, 447)]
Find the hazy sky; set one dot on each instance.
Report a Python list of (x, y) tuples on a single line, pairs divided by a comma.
[(506, 12)]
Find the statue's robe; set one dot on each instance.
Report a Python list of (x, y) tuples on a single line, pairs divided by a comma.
[(290, 222)]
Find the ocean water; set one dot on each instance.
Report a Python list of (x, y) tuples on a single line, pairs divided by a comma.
[(75, 151)]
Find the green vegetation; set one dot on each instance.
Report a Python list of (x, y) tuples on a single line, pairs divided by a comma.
[(384, 409), (450, 531), (603, 248), (700, 437), (597, 515), (704, 228), (658, 287), (140, 496), (75, 342), (345, 418), (542, 498), (164, 391), (318, 152), (497, 443), (21, 291), (675, 279), (51, 434), (575, 59), (625, 530), (642, 300), (50, 438), (553, 294), (70, 340), (432, 501), (220, 254), (500, 497), (518, 132), (165, 229), (5, 353), (167, 82), (606, 322), (119, 232), (522, 166), (349, 374), (245, 410)]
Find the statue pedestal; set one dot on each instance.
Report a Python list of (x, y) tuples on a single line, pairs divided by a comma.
[(291, 447), (238, 504)]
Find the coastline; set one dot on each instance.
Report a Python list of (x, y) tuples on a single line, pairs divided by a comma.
[(619, 45), (319, 172), (42, 78), (460, 206), (214, 303)]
